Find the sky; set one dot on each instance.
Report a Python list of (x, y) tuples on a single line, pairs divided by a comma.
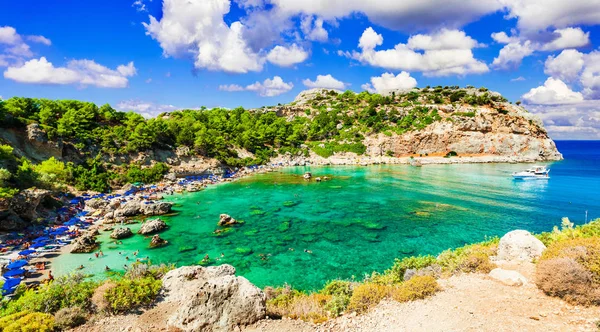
[(151, 56)]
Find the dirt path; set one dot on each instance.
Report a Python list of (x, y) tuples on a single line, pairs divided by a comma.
[(470, 302)]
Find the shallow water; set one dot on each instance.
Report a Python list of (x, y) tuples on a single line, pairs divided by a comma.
[(360, 220)]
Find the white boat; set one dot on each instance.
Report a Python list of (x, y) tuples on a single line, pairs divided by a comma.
[(535, 172)]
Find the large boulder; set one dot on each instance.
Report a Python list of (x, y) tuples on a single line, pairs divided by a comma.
[(508, 277), (95, 203), (152, 226), (211, 299), (155, 208), (157, 241), (129, 209), (519, 245), (25, 203), (121, 233), (226, 220), (84, 244)]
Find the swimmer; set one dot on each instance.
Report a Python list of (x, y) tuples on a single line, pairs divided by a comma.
[(291, 249), (106, 268), (80, 267), (222, 255), (126, 258), (96, 254)]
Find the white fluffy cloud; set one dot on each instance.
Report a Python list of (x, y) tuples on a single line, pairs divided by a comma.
[(197, 28), (570, 121), (517, 47), (83, 72), (565, 66), (389, 81), (325, 82), (268, 88), (313, 30), (13, 48), (538, 15), (287, 56), (406, 15), (146, 109), (553, 92), (447, 52)]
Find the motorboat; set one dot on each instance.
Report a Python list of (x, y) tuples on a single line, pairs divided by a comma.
[(535, 172)]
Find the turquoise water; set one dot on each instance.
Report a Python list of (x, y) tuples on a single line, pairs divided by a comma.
[(360, 220)]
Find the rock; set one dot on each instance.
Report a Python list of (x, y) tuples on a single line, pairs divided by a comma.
[(211, 299), (157, 241), (10, 222), (84, 244), (26, 202), (95, 203), (129, 209), (226, 220), (152, 226), (121, 233), (171, 177), (128, 187), (155, 208), (432, 270), (508, 277), (519, 245)]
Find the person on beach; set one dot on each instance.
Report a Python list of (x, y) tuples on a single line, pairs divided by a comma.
[(50, 276)]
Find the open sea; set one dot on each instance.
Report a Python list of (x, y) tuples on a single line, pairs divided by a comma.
[(359, 221)]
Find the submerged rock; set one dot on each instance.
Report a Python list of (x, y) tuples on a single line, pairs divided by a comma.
[(152, 226), (121, 233), (226, 220), (157, 241), (211, 299), (519, 245)]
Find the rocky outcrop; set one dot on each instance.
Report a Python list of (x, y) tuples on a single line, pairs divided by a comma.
[(226, 220), (95, 203), (508, 277), (211, 299), (84, 244), (516, 134), (157, 241), (17, 212), (152, 226), (519, 245), (138, 207), (121, 233)]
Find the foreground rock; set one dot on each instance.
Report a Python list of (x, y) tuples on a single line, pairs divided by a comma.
[(211, 299), (121, 233), (519, 245), (84, 244), (17, 212), (226, 220), (157, 241), (508, 277), (152, 226)]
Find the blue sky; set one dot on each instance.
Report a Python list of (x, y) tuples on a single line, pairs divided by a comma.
[(151, 56)]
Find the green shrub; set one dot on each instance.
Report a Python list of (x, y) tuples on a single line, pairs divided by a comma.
[(71, 317), (27, 322), (337, 287), (470, 258), (401, 265), (130, 294), (66, 291), (337, 305)]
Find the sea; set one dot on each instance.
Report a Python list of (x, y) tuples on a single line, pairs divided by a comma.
[(305, 233)]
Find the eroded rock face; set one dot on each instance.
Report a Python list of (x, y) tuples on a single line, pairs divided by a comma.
[(137, 207), (95, 203), (519, 245), (156, 208), (121, 233), (152, 226), (157, 241), (211, 299), (84, 244)]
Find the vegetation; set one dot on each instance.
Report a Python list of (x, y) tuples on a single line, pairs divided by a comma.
[(334, 123)]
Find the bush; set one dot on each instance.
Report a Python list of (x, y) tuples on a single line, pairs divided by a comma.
[(70, 317), (27, 322), (367, 295), (337, 305), (585, 251), (337, 287), (130, 294), (400, 266), (99, 300), (67, 291), (418, 287), (470, 258), (567, 279)]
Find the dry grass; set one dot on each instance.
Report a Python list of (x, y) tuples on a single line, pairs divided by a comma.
[(99, 300), (418, 287), (368, 295), (569, 280)]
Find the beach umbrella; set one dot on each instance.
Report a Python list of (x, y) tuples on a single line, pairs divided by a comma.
[(13, 273), (74, 201), (16, 264), (26, 252), (41, 238), (11, 283), (58, 232)]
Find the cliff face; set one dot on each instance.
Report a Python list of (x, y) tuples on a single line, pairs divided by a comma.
[(511, 133)]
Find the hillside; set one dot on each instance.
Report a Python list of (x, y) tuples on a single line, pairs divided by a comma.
[(68, 145)]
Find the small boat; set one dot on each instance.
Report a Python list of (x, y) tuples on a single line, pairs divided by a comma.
[(535, 172)]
